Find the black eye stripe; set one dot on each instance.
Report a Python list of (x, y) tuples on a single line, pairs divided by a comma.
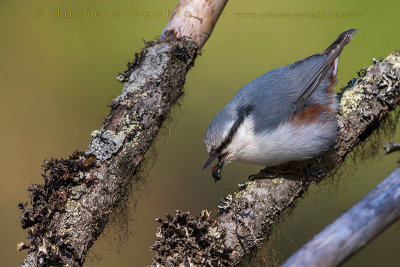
[(243, 112)]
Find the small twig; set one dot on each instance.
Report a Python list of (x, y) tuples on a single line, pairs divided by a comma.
[(21, 246), (391, 147)]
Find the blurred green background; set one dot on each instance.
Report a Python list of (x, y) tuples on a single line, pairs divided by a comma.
[(58, 76)]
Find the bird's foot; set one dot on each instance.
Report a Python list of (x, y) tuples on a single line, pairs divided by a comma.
[(266, 173), (295, 170), (292, 170)]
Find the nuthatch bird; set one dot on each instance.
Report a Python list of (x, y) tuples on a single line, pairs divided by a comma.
[(287, 114)]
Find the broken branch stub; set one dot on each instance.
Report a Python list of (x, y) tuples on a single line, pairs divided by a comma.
[(195, 19)]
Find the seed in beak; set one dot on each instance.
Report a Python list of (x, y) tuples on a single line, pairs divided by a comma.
[(216, 172)]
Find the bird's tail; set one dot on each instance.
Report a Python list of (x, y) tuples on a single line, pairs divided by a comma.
[(334, 50), (327, 66), (337, 46)]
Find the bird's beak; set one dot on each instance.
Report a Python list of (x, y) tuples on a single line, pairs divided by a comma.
[(209, 161)]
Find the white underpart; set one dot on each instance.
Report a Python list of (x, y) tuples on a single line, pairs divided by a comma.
[(333, 105), (287, 143), (335, 66)]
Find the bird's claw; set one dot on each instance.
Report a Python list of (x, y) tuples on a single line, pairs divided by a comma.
[(287, 170)]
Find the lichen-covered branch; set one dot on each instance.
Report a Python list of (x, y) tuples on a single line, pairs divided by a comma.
[(69, 211), (247, 215)]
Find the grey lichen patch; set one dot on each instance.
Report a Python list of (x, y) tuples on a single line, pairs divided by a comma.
[(248, 187), (184, 240), (394, 59), (350, 100), (381, 80), (125, 129), (152, 68), (131, 121), (104, 144), (30, 260), (225, 202)]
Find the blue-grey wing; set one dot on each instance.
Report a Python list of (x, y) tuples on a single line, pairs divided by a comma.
[(272, 97), (327, 61), (278, 94)]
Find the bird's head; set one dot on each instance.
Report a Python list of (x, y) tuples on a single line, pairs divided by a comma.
[(217, 148), (219, 136)]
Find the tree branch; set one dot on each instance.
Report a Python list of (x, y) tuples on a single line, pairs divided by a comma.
[(354, 229), (247, 215), (69, 211)]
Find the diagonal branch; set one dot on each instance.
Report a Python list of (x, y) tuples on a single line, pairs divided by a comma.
[(354, 229), (247, 215), (70, 210)]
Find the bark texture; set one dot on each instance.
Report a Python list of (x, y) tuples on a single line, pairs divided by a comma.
[(246, 215), (69, 211), (354, 229)]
